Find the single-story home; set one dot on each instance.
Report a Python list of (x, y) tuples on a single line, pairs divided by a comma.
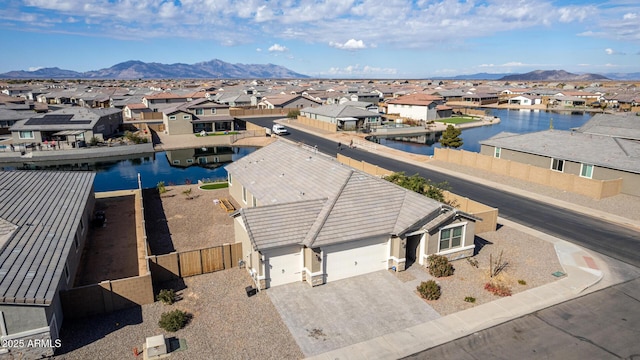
[(588, 155), (346, 117), (282, 101), (307, 217), (70, 124), (44, 222)]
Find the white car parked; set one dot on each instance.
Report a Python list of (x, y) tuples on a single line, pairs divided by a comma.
[(279, 129)]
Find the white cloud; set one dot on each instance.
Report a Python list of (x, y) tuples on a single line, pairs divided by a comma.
[(351, 44), (259, 50), (277, 48), (361, 71), (629, 16), (35, 68), (610, 51)]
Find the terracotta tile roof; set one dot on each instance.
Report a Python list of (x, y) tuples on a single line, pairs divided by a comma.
[(136, 106)]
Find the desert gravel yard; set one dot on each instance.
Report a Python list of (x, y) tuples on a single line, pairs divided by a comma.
[(226, 324), (176, 223)]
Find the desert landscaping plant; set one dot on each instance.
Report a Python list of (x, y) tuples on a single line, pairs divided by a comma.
[(173, 320), (166, 296), (473, 262), (429, 290), (161, 188), (496, 267), (470, 299), (522, 282), (497, 288), (439, 266), (187, 194)]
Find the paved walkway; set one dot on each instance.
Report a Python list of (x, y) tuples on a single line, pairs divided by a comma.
[(584, 271)]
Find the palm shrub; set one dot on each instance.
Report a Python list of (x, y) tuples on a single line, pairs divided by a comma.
[(173, 320), (429, 290), (440, 266)]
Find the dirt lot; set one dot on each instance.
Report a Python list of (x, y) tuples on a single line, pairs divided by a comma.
[(176, 223), (111, 252)]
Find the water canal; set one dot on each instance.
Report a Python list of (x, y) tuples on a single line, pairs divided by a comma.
[(515, 121)]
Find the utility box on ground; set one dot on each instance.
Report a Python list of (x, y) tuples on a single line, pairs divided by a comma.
[(155, 346)]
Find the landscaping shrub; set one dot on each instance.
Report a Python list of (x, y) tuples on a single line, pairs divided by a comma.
[(173, 320), (439, 266), (522, 282), (167, 296), (292, 114), (429, 290), (497, 289), (161, 188), (470, 299)]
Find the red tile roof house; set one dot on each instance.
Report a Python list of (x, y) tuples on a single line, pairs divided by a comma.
[(419, 107)]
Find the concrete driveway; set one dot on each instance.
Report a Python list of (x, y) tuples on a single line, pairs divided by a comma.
[(348, 311)]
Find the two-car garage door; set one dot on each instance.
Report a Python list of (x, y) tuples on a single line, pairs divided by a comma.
[(355, 258)]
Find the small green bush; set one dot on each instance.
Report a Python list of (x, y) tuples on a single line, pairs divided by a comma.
[(470, 299), (429, 290), (522, 282), (439, 266), (94, 141), (167, 296), (161, 188), (292, 114), (173, 320)]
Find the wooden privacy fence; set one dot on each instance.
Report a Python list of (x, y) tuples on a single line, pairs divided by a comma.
[(195, 262)]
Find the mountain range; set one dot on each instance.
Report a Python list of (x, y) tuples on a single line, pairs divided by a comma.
[(131, 70), (545, 75)]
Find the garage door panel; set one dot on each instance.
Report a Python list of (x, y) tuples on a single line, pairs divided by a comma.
[(355, 258), (283, 267)]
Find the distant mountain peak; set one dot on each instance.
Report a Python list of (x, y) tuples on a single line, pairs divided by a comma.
[(552, 75), (136, 69)]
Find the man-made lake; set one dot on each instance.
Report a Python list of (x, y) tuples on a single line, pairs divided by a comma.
[(174, 167), (515, 121)]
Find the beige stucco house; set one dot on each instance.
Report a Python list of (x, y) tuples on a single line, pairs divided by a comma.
[(196, 116), (306, 217)]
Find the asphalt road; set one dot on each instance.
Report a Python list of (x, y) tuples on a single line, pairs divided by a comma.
[(618, 242), (601, 325)]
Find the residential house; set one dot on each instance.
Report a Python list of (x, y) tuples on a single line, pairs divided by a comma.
[(8, 118), (134, 111), (282, 101), (158, 102), (44, 222), (481, 99), (524, 100), (419, 107), (70, 124), (347, 118), (196, 116), (594, 152), (306, 217)]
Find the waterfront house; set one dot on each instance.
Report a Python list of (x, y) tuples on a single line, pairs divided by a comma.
[(282, 101), (196, 116), (307, 217), (419, 107), (344, 117), (70, 125), (597, 151), (44, 222)]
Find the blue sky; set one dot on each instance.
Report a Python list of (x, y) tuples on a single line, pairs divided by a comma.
[(327, 38)]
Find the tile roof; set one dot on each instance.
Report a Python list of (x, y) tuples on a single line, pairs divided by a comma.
[(340, 111), (45, 207), (416, 99), (623, 126), (344, 204), (599, 150)]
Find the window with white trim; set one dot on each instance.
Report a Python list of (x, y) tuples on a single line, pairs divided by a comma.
[(213, 111), (199, 111), (186, 117), (497, 152), (172, 117), (451, 238), (26, 135), (586, 171), (244, 194), (557, 165)]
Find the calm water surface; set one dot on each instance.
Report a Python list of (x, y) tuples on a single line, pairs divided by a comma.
[(515, 121), (123, 174)]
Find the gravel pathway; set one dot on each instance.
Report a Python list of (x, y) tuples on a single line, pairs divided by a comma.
[(226, 324)]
